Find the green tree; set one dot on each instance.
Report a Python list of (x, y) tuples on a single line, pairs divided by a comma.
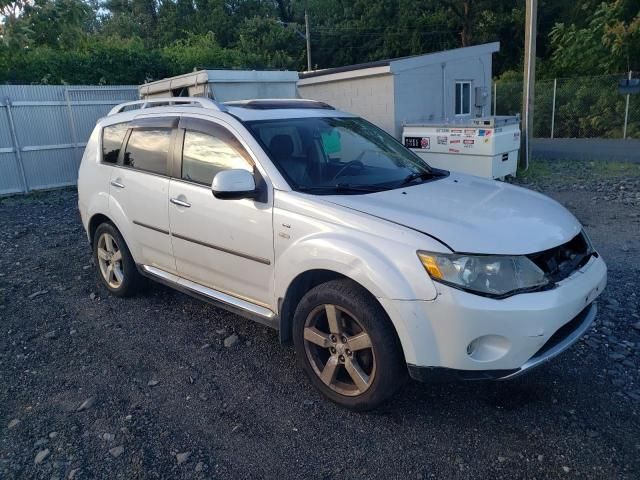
[(56, 23), (608, 43), (13, 34), (198, 51), (140, 38), (279, 46), (131, 18)]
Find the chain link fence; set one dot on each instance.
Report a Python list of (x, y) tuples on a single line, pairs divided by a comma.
[(579, 107)]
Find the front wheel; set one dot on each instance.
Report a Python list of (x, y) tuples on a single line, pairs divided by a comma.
[(347, 345)]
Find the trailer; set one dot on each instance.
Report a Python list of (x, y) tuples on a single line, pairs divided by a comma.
[(225, 85)]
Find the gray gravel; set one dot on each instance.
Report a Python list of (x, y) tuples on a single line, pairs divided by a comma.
[(145, 388)]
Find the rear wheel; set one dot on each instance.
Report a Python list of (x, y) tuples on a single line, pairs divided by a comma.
[(116, 267), (347, 346)]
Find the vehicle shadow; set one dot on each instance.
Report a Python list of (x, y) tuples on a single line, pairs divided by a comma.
[(538, 389), (470, 399)]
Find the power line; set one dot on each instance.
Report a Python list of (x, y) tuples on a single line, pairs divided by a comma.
[(354, 27)]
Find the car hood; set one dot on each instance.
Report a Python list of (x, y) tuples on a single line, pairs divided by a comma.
[(472, 215)]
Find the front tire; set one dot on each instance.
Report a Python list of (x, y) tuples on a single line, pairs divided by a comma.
[(116, 267), (347, 346)]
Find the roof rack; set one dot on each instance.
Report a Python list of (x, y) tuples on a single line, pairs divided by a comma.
[(158, 102), (279, 103)]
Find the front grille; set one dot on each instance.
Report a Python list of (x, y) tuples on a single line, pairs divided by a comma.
[(560, 262)]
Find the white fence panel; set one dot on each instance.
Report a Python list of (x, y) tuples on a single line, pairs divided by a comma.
[(52, 125)]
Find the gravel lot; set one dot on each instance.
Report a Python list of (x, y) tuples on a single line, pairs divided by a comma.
[(92, 386)]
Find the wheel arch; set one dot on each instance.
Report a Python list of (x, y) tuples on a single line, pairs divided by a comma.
[(94, 222), (303, 283)]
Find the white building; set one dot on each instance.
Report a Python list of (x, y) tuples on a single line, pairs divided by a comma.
[(447, 86)]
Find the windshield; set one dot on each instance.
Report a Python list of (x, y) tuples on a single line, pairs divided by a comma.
[(345, 155)]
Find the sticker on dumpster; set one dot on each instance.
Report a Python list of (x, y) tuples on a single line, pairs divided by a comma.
[(442, 140), (469, 142), (469, 131), (423, 143), (457, 140), (484, 133), (454, 150), (442, 130)]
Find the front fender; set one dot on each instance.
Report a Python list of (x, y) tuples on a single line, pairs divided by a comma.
[(385, 271)]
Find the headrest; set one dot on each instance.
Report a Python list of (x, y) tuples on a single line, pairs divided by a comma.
[(281, 147)]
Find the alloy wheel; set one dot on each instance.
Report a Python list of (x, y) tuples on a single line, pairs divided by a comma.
[(339, 350), (110, 260)]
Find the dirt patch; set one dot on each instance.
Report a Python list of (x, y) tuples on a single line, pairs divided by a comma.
[(165, 398)]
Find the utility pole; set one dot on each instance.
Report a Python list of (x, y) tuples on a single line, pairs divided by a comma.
[(529, 78), (308, 38), (626, 113)]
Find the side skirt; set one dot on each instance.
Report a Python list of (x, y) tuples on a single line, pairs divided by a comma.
[(228, 302)]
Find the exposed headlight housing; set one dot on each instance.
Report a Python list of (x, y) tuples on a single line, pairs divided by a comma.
[(587, 240), (496, 276)]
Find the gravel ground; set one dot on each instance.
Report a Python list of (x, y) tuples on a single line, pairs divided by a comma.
[(93, 386)]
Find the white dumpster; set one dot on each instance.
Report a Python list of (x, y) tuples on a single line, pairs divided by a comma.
[(486, 147)]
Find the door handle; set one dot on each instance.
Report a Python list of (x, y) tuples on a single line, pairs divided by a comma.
[(115, 183), (182, 203)]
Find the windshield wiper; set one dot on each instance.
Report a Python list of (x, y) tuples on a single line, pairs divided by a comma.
[(349, 187), (343, 188), (415, 176)]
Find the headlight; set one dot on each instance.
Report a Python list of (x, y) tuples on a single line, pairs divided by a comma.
[(491, 275)]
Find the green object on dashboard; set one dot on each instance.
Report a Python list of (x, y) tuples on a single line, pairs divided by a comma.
[(331, 141)]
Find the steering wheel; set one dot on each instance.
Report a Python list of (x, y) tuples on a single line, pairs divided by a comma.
[(348, 165)]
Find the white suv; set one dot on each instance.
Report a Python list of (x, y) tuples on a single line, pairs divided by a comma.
[(322, 226)]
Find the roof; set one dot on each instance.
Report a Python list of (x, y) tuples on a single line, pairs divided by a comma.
[(395, 65), (346, 68), (274, 109), (279, 103), (251, 114)]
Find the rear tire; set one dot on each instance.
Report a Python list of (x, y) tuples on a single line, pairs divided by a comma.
[(116, 268), (347, 346)]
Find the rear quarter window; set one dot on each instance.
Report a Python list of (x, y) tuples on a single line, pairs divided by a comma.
[(112, 137)]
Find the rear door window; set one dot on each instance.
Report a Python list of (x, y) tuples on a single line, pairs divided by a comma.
[(112, 137), (148, 149)]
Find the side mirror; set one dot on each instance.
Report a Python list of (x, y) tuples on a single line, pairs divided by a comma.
[(234, 184)]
